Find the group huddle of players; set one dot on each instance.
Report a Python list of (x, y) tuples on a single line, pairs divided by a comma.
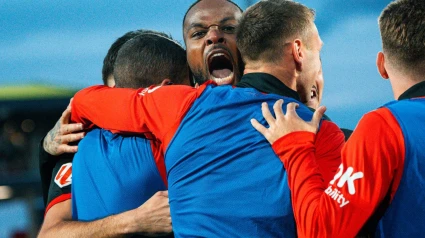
[(182, 142)]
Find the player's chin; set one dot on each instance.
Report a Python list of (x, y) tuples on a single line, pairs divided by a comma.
[(230, 79), (312, 103)]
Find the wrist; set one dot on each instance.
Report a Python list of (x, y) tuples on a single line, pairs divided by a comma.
[(132, 221)]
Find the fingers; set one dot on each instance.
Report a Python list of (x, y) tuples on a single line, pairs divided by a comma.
[(290, 108), (68, 148), (266, 113), (70, 102), (72, 137), (277, 107), (66, 115), (317, 116), (70, 128), (260, 128)]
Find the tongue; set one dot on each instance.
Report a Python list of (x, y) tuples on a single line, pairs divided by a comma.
[(221, 73)]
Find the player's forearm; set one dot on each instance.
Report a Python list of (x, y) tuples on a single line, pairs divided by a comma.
[(317, 213), (328, 144), (296, 151), (112, 226)]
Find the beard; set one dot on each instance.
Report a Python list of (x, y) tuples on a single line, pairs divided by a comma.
[(198, 77)]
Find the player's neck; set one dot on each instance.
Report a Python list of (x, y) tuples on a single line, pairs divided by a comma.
[(282, 73), (401, 82)]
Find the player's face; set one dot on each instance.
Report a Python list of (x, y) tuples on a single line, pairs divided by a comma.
[(209, 34), (310, 84), (316, 92)]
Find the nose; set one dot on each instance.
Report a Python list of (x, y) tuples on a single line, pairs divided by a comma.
[(214, 36)]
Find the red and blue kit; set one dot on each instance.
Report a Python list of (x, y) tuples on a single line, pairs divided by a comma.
[(380, 185), (224, 180), (113, 174)]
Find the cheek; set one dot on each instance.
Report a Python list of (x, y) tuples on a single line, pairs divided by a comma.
[(233, 46), (194, 55)]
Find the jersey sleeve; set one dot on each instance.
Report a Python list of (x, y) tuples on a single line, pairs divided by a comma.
[(370, 161), (152, 110), (328, 146), (60, 183), (47, 164)]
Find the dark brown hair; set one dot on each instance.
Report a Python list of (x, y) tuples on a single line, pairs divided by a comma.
[(265, 26), (402, 26), (149, 58)]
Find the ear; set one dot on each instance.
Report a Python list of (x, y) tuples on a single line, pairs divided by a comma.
[(380, 63), (166, 82), (297, 53)]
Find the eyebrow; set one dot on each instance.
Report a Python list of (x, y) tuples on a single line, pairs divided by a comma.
[(200, 25), (227, 19), (195, 25)]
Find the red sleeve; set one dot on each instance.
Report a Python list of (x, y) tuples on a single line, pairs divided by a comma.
[(57, 200), (328, 144), (154, 110), (372, 160)]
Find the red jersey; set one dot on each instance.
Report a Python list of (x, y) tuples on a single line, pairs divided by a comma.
[(321, 209), (206, 137), (373, 161)]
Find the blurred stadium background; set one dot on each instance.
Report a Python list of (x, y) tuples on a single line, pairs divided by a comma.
[(51, 49)]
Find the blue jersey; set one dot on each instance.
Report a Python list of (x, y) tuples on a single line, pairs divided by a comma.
[(112, 174), (224, 180), (405, 216)]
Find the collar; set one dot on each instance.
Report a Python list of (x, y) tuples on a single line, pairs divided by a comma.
[(267, 83), (417, 90)]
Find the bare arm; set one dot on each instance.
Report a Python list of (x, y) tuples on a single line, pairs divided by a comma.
[(151, 218)]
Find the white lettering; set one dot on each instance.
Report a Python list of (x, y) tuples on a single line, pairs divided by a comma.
[(337, 175), (344, 203), (337, 196), (148, 90), (347, 177)]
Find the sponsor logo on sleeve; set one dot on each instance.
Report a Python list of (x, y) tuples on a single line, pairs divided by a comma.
[(64, 176), (149, 90), (343, 178)]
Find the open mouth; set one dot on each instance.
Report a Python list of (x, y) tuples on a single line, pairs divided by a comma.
[(313, 93), (312, 100), (220, 67)]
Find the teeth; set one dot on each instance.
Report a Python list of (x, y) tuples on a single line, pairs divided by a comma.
[(217, 54), (220, 81)]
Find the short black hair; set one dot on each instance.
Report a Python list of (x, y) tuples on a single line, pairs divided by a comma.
[(402, 26), (265, 25), (148, 59), (109, 60), (197, 1)]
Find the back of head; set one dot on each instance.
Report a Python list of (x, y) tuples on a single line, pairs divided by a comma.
[(402, 26), (148, 59), (111, 56), (265, 26)]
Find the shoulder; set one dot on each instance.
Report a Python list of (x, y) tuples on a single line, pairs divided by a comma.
[(60, 184)]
